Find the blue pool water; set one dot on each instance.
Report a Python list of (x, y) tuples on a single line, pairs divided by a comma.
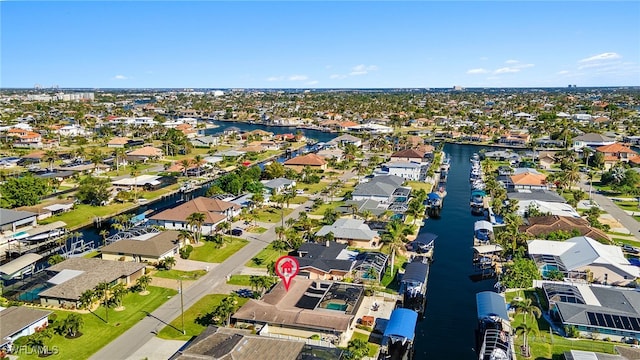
[(33, 294)]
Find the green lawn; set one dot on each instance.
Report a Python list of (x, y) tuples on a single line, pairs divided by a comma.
[(97, 333), (322, 208), (202, 307), (373, 348), (83, 214), (150, 195), (271, 214), (299, 200), (242, 280), (312, 188), (264, 257), (417, 185), (180, 275), (208, 252), (256, 229)]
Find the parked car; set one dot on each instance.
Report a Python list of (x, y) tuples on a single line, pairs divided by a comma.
[(236, 232), (629, 249)]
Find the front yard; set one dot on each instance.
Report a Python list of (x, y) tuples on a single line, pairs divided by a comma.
[(265, 257), (209, 253), (96, 333)]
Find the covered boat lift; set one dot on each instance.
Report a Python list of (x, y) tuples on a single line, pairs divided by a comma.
[(18, 268), (397, 341)]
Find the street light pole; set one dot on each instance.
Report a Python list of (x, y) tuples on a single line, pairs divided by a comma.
[(182, 309)]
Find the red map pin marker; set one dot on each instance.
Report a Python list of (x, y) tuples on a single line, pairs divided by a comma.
[(287, 268)]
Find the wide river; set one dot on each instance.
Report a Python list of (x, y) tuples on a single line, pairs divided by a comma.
[(447, 330)]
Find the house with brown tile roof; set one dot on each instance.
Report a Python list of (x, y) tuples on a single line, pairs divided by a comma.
[(144, 153), (540, 226), (314, 161), (144, 248), (615, 153), (215, 212), (409, 155), (118, 142), (529, 180)]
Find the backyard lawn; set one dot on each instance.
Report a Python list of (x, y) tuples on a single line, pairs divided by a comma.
[(265, 257), (271, 214), (312, 188), (83, 214), (322, 208), (373, 348), (209, 253), (200, 308), (97, 333), (417, 185)]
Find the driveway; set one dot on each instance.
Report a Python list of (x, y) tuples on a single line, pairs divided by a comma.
[(129, 343)]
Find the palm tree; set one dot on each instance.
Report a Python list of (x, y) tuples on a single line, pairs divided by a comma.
[(169, 262), (196, 220), (526, 307), (524, 330), (102, 293), (197, 160), (185, 236), (395, 235), (72, 324), (87, 299), (185, 166), (104, 233), (135, 171), (117, 294), (143, 281), (50, 156), (258, 199), (119, 153)]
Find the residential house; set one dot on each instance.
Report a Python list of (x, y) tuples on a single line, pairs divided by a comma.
[(379, 188), (13, 221), (149, 248), (345, 139), (144, 153), (258, 134), (326, 261), (617, 152), (19, 321), (118, 142), (527, 179), (353, 232), (602, 311), (277, 186), (406, 170), (206, 141), (591, 140), (409, 155), (541, 226), (76, 275), (546, 160), (585, 258), (215, 212), (331, 153), (314, 161)]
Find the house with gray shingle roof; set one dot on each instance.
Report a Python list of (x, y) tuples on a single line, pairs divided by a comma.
[(353, 232), (591, 140), (19, 321), (379, 188)]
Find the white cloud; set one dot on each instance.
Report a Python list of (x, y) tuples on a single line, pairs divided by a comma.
[(298, 77), (506, 70), (477, 71), (511, 62), (362, 69), (120, 77), (601, 57), (275, 78), (312, 82)]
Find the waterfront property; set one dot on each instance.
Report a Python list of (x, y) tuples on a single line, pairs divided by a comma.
[(379, 188), (12, 221), (353, 232), (328, 261), (19, 321), (610, 312), (313, 161), (149, 248), (399, 334), (215, 211), (493, 335), (74, 276), (539, 226), (20, 267), (308, 308), (583, 258)]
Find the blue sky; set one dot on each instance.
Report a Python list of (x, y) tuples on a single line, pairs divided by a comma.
[(308, 44)]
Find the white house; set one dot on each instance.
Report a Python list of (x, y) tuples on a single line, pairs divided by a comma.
[(19, 321), (406, 170)]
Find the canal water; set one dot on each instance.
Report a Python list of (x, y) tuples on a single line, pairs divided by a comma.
[(450, 318), (447, 330)]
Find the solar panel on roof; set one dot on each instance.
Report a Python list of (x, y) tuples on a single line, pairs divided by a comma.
[(600, 320), (626, 323), (592, 318), (635, 324), (617, 321), (609, 321)]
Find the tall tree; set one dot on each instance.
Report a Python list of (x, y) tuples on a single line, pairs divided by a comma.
[(195, 221)]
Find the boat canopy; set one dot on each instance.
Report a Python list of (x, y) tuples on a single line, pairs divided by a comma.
[(487, 249), (426, 238), (478, 193), (402, 324), (433, 196), (491, 304), (416, 272), (482, 225)]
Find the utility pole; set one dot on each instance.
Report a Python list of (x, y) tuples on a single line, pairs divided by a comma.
[(182, 309)]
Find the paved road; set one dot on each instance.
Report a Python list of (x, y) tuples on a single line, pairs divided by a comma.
[(134, 338), (610, 207)]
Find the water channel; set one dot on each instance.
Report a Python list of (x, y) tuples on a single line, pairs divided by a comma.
[(450, 318)]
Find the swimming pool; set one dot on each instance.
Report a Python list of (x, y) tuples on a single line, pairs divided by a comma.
[(336, 306), (546, 269), (32, 294)]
